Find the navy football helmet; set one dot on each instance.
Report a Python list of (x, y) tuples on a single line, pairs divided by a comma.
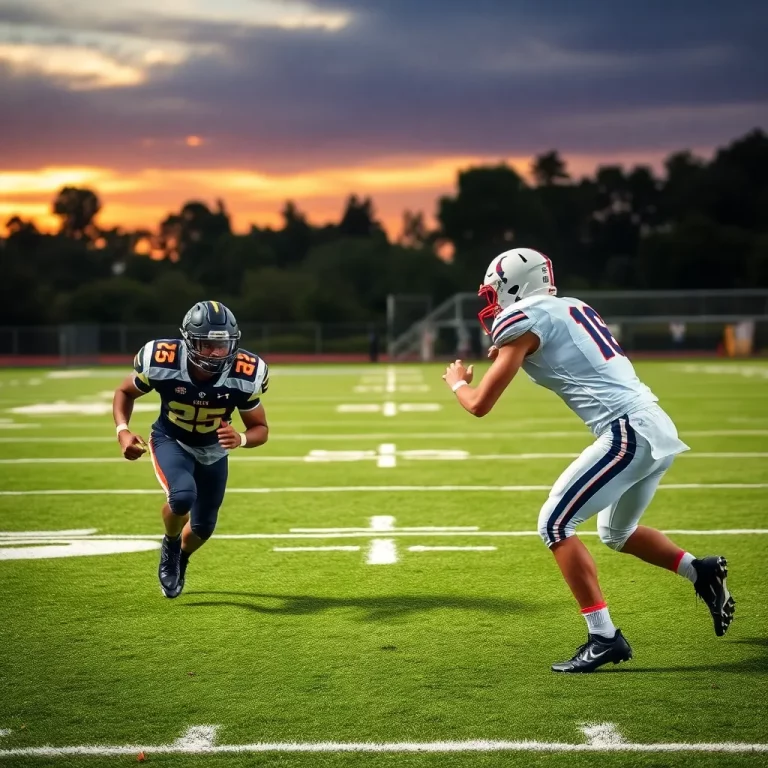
[(211, 336)]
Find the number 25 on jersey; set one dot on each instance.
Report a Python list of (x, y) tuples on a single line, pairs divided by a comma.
[(165, 352), (595, 326)]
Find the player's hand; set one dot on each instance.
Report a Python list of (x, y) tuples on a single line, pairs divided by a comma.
[(457, 371), (493, 352), (229, 437), (133, 446)]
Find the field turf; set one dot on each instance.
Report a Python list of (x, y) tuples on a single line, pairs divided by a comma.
[(387, 640)]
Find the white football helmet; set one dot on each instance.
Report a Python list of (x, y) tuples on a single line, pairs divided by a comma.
[(512, 276)]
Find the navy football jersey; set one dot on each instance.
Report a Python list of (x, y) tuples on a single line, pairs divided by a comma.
[(191, 410)]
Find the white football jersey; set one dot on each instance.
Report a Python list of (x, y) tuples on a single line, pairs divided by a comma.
[(578, 359)]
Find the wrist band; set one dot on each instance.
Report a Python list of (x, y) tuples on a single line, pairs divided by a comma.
[(121, 428), (459, 384), (243, 439)]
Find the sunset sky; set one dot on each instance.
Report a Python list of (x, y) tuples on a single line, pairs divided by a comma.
[(155, 102)]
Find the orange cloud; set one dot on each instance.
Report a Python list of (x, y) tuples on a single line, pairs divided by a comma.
[(143, 198)]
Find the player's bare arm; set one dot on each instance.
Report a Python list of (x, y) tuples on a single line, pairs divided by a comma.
[(132, 445), (507, 361), (256, 430)]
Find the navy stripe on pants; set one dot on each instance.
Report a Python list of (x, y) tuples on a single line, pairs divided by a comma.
[(586, 486)]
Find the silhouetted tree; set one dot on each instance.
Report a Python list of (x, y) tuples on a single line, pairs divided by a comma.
[(291, 243), (493, 211), (549, 169), (700, 224), (415, 232), (77, 208), (358, 219)]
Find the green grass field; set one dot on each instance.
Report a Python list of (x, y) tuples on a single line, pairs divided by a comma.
[(376, 642)]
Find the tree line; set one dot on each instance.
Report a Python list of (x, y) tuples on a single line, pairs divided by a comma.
[(700, 224)]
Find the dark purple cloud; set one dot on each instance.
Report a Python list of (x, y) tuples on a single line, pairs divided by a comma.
[(407, 77)]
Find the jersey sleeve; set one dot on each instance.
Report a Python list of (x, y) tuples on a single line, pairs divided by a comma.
[(251, 395), (141, 365), (510, 325)]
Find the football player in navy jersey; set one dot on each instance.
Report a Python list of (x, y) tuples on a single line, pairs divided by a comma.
[(201, 379)]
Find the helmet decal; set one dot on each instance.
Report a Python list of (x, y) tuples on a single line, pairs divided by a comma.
[(508, 281)]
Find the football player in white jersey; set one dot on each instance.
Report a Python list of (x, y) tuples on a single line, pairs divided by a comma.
[(564, 346)]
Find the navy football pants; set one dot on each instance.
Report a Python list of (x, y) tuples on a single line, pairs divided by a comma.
[(191, 487)]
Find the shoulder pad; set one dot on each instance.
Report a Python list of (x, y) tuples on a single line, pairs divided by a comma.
[(247, 366), (249, 373), (140, 361), (141, 368), (511, 324), (166, 354)]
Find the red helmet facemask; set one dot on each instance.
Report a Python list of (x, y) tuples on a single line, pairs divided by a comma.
[(492, 308)]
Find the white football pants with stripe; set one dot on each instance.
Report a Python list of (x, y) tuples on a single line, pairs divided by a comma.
[(614, 478)]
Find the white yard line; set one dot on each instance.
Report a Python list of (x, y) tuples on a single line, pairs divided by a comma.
[(381, 552), (384, 449), (406, 435), (197, 738), (7, 536), (414, 528), (369, 489), (602, 735), (419, 407), (687, 455), (200, 740), (748, 371), (391, 381), (387, 456), (120, 459), (317, 549), (34, 535), (358, 408), (421, 548)]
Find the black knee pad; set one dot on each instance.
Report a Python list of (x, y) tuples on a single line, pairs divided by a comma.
[(181, 502), (203, 530)]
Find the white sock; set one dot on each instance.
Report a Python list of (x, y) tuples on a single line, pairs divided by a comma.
[(599, 620), (685, 567)]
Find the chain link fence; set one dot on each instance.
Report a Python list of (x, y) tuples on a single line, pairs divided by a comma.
[(68, 344), (643, 321)]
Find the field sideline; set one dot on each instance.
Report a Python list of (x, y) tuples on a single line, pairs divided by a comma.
[(376, 593)]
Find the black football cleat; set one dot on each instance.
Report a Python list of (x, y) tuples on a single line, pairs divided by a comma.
[(711, 588), (598, 650), (169, 570)]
